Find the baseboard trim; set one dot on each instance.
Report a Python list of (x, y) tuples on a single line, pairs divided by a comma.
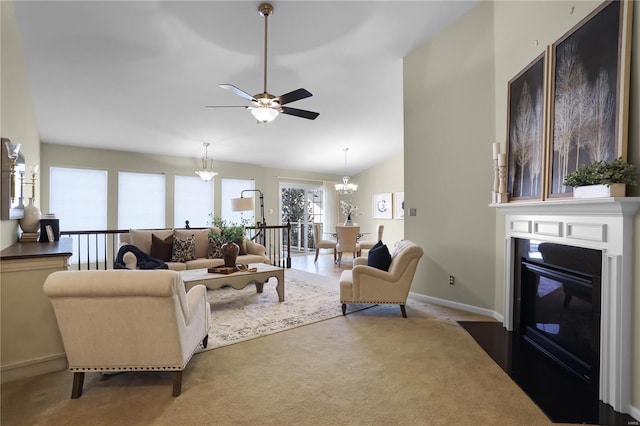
[(457, 305), (33, 367), (634, 412)]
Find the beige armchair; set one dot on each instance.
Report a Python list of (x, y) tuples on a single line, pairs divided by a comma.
[(347, 241), (322, 243), (368, 244), (128, 320), (366, 284)]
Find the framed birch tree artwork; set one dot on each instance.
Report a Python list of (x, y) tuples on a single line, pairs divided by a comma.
[(525, 132), (590, 93)]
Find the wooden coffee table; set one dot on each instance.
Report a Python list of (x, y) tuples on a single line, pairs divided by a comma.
[(237, 280)]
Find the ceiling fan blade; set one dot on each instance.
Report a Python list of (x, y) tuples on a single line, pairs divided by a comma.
[(226, 106), (238, 92), (300, 113), (296, 95)]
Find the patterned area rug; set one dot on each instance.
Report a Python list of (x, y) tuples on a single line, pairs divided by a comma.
[(239, 315)]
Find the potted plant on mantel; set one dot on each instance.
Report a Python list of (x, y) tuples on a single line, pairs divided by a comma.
[(602, 179), (230, 234)]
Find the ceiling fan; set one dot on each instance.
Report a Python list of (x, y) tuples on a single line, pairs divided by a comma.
[(265, 106)]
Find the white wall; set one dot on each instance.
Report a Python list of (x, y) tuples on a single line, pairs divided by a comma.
[(449, 127), (17, 114), (455, 108), (386, 176)]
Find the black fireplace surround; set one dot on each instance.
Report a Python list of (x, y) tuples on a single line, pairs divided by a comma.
[(557, 304)]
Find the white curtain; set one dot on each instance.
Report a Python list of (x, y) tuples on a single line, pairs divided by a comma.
[(331, 206)]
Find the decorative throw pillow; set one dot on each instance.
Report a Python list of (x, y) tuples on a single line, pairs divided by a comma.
[(183, 249), (200, 235), (376, 245), (215, 248), (142, 238), (379, 257), (161, 248)]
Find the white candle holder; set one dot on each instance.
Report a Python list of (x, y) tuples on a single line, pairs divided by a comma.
[(502, 185)]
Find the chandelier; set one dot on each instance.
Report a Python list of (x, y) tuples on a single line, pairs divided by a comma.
[(206, 174), (345, 187)]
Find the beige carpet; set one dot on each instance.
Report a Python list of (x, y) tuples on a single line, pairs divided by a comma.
[(372, 367), (240, 315)]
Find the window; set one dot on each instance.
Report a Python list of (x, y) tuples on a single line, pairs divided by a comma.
[(193, 201), (141, 200), (78, 197), (232, 188)]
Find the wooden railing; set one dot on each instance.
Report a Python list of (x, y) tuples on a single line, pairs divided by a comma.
[(302, 238), (276, 240), (94, 249), (99, 249)]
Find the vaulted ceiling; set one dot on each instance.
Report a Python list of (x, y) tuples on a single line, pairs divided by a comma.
[(136, 76)]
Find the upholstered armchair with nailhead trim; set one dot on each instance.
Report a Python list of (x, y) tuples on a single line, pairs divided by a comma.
[(366, 284), (128, 320)]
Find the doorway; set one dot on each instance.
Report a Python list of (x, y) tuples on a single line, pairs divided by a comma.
[(302, 205)]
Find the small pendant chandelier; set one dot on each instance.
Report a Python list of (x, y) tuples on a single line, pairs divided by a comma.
[(206, 174), (345, 187)]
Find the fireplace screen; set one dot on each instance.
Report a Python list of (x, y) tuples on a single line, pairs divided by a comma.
[(560, 305)]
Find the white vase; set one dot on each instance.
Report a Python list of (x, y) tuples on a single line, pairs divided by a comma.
[(348, 222), (31, 220), (599, 191)]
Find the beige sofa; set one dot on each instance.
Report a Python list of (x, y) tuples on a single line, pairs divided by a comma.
[(142, 239)]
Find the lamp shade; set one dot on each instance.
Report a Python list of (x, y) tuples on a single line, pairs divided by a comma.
[(13, 149), (242, 204)]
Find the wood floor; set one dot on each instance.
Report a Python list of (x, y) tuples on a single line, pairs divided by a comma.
[(324, 265)]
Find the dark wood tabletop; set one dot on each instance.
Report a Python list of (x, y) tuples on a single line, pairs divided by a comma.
[(24, 250)]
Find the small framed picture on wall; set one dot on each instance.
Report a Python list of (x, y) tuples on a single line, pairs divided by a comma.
[(399, 205), (382, 206)]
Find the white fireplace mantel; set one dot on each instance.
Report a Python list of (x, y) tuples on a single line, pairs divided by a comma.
[(604, 224), (581, 206)]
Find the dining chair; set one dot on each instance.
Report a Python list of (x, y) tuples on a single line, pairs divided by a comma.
[(347, 241), (322, 243), (368, 244)]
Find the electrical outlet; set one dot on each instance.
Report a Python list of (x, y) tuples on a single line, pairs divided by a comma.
[(451, 280)]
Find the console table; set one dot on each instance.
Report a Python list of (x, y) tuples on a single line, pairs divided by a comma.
[(31, 342)]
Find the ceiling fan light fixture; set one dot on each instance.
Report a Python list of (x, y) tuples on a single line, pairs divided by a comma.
[(264, 114), (266, 106), (206, 174)]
